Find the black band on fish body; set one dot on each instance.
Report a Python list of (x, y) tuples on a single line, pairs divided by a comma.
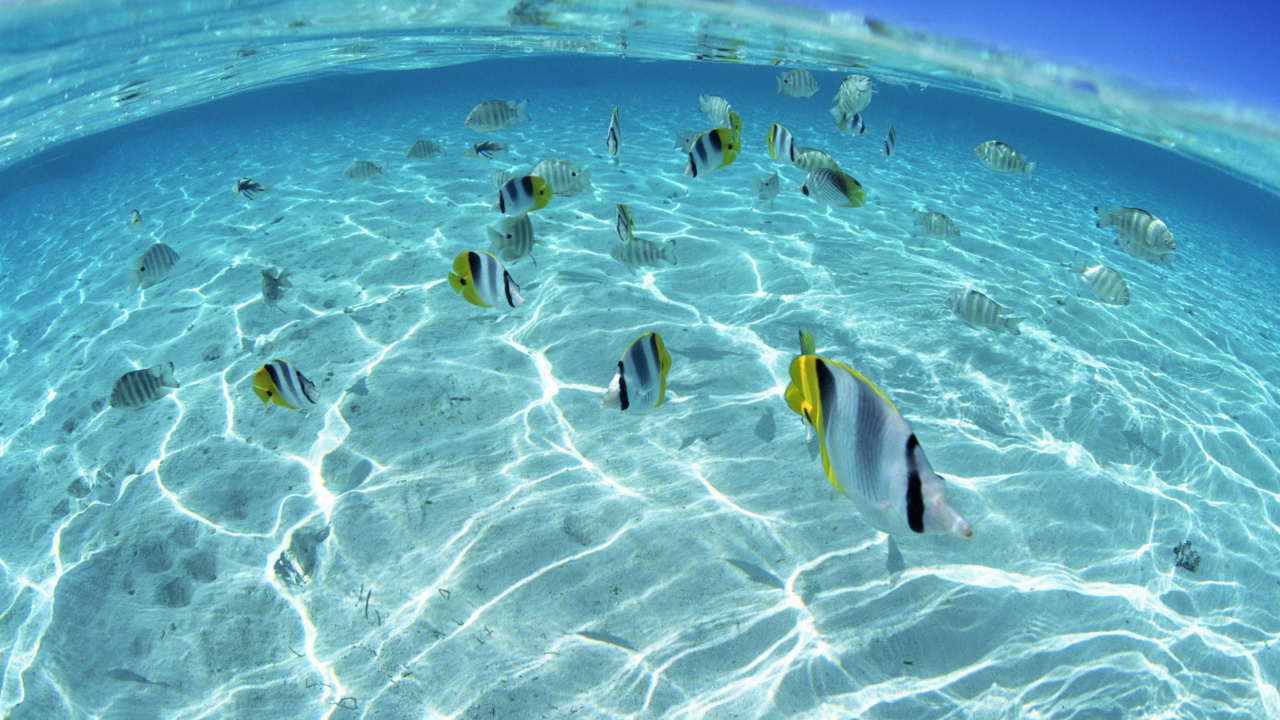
[(475, 263), (507, 282), (915, 493), (622, 385)]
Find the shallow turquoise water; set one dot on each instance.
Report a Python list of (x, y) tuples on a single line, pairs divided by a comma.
[(529, 554)]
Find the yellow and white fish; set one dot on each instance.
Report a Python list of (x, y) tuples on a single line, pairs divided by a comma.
[(936, 224), (767, 188), (640, 381), (713, 149), (833, 188), (513, 239), (809, 159), (614, 141), (851, 124), (624, 223), (135, 221), (522, 194), (1002, 158), (717, 109), (140, 387), (155, 265), (979, 311), (482, 280), (497, 114), (782, 147), (643, 253), (566, 177), (423, 150), (362, 171), (248, 188), (869, 451), (283, 384), (1105, 282), (1138, 225), (797, 84)]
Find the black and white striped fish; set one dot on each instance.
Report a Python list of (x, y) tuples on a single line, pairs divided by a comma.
[(1105, 282), (482, 280), (713, 149), (717, 109), (283, 384), (566, 177), (640, 382), (936, 224), (362, 171), (155, 265), (499, 178), (997, 156), (139, 387), (521, 194), (797, 84), (624, 223), (809, 159), (851, 124), (767, 188), (869, 451), (979, 311), (890, 141), (497, 114), (423, 150), (514, 238), (852, 97), (833, 188), (643, 253), (614, 141), (1138, 225), (782, 147)]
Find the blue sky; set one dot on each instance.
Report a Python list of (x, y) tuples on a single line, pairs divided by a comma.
[(1225, 49)]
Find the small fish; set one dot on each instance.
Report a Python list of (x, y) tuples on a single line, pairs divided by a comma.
[(514, 239), (482, 280), (640, 382), (486, 150), (614, 140), (497, 114), (685, 141), (362, 171), (1002, 158), (713, 149), (135, 221), (155, 265), (423, 150), (979, 311), (521, 194), (499, 178), (937, 224), (833, 188), (852, 124), (869, 451), (756, 573), (273, 286), (890, 141), (248, 187), (797, 84), (139, 387), (717, 109), (1106, 283), (808, 160), (624, 223), (852, 97), (283, 384), (1140, 251), (643, 253), (565, 177), (782, 147), (1138, 225), (767, 188)]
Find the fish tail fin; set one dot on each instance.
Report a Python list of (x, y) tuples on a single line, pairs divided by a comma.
[(136, 278), (757, 185), (522, 110), (166, 376), (1080, 262), (779, 79), (1029, 169), (1011, 324), (283, 279), (669, 252), (584, 177), (1105, 218), (495, 244)]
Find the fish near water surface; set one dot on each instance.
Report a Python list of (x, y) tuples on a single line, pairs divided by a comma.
[(614, 139), (997, 156), (493, 115), (797, 84)]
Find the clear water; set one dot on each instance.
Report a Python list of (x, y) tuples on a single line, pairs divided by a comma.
[(498, 545)]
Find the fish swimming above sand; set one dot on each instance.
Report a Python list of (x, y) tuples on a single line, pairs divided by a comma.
[(833, 188), (248, 188), (979, 311), (640, 380), (851, 124), (140, 387), (495, 115), (890, 141), (797, 84), (155, 265), (362, 171), (767, 188), (936, 224), (1107, 284), (1002, 158), (423, 150), (273, 286), (624, 223), (486, 150), (513, 239), (717, 109), (869, 451), (714, 149), (614, 139), (135, 221), (643, 253), (1138, 232), (809, 159), (566, 177), (782, 146), (499, 178), (482, 280), (281, 383), (685, 141), (523, 194)]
